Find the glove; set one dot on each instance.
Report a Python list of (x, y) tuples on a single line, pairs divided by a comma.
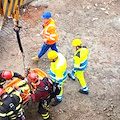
[(31, 91), (26, 80)]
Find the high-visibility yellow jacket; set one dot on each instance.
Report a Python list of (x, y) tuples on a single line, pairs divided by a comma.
[(49, 32), (58, 69), (10, 107), (80, 59)]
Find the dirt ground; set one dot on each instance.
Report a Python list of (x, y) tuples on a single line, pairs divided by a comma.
[(92, 22)]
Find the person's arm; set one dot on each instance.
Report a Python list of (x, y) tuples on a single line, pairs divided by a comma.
[(17, 97), (76, 62), (18, 75), (3, 116), (41, 34)]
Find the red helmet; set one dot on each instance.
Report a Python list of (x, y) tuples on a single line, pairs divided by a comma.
[(7, 75), (33, 77), (1, 91)]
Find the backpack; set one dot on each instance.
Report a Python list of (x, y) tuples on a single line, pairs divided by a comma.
[(55, 87)]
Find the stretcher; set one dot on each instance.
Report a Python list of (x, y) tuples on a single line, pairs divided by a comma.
[(23, 86)]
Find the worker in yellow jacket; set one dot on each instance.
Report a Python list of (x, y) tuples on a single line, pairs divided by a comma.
[(80, 64), (58, 72)]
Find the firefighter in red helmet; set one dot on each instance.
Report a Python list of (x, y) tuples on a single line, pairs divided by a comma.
[(7, 75), (45, 91), (11, 106)]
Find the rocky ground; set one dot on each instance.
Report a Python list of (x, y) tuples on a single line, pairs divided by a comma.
[(97, 24)]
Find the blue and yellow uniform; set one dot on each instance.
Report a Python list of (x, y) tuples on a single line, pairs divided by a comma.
[(58, 73), (80, 64)]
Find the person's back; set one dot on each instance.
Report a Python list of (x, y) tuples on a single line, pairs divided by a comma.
[(43, 89), (10, 107), (58, 68), (49, 32)]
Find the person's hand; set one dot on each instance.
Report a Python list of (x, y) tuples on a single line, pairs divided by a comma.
[(41, 34), (26, 80), (45, 40)]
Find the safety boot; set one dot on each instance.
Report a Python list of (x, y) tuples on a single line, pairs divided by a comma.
[(69, 75), (56, 102), (83, 92), (35, 58)]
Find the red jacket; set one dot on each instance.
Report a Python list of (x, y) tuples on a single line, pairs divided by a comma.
[(41, 92)]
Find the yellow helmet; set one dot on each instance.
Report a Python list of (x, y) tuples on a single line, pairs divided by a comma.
[(76, 42), (52, 54)]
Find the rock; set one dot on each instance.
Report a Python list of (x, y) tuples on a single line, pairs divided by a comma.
[(96, 4), (104, 3), (43, 3), (116, 23), (111, 99), (60, 110), (27, 1), (103, 9), (106, 12), (112, 106), (108, 114), (98, 112), (105, 109), (95, 19), (38, 35)]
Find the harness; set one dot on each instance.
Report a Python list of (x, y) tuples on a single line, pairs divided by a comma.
[(55, 88), (46, 88)]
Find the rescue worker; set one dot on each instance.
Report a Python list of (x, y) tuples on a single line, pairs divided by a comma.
[(58, 72), (80, 64), (45, 91), (48, 34), (10, 106), (7, 75)]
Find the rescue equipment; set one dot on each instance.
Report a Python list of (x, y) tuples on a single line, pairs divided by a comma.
[(22, 86)]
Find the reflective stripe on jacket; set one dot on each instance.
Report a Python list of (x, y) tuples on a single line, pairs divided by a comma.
[(58, 69), (80, 59), (50, 33)]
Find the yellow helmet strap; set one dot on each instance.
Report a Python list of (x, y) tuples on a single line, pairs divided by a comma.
[(53, 60)]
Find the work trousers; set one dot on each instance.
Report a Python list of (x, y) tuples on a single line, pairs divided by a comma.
[(80, 77), (43, 108), (45, 48), (60, 96)]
